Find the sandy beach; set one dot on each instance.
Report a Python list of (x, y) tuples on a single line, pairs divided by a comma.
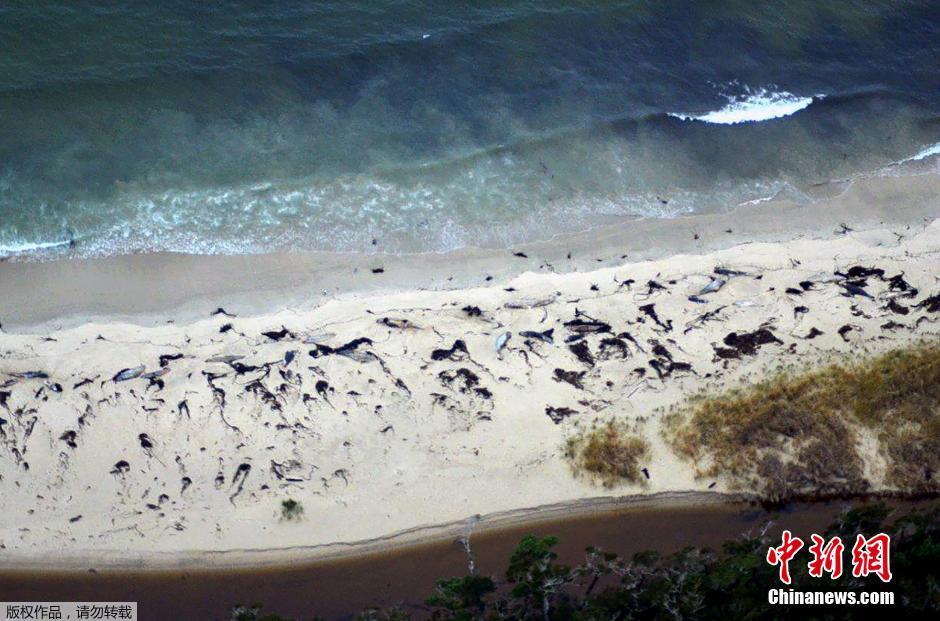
[(159, 442), (151, 289)]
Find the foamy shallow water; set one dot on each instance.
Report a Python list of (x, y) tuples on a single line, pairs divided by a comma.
[(322, 126)]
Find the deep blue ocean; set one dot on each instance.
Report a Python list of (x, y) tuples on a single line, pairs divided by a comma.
[(231, 127)]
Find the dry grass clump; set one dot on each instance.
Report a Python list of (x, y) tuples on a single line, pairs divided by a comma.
[(799, 434), (609, 454)]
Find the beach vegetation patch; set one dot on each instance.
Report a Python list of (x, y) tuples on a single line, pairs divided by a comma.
[(801, 434), (609, 454), (291, 509)]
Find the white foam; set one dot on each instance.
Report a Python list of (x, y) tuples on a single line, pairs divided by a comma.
[(925, 153), (21, 247), (760, 105), (756, 201)]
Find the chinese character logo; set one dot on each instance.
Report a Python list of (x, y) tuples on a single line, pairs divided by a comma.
[(872, 556), (826, 558), (869, 556), (784, 553)]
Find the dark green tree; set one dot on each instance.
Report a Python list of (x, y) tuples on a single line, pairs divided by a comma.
[(535, 576), (461, 599)]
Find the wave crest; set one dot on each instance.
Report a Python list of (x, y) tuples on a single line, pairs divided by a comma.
[(924, 153), (753, 106)]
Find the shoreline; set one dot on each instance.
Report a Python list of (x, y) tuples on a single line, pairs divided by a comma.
[(299, 557), (404, 576), (151, 289), (251, 558)]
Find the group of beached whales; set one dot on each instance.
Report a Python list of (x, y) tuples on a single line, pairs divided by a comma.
[(292, 380)]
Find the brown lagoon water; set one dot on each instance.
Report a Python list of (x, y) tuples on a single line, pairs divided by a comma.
[(336, 589)]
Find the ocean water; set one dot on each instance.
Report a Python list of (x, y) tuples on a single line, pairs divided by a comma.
[(242, 127)]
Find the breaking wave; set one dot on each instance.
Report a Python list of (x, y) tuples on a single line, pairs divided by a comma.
[(19, 247), (924, 153), (753, 106)]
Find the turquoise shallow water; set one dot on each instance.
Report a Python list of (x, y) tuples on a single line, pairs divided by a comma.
[(240, 127)]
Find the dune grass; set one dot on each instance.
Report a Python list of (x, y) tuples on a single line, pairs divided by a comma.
[(608, 454), (797, 434)]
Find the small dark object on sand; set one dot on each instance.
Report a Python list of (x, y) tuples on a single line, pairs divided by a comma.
[(845, 330), (559, 414), (398, 324), (277, 335), (853, 289), (724, 271), (857, 271), (458, 351), (895, 307), (240, 368), (128, 374), (897, 283), (713, 286), (666, 367), (580, 326), (747, 343), (472, 311), (465, 378), (571, 377), (166, 359), (31, 375), (545, 336), (931, 304), (69, 438), (582, 352), (813, 333), (650, 311), (342, 350)]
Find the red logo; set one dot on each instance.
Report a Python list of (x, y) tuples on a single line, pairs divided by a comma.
[(826, 558), (781, 555), (869, 556), (872, 556)]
